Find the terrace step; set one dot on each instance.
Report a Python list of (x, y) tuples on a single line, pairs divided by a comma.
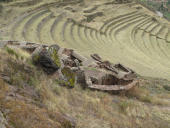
[(168, 36), (108, 23), (44, 33), (125, 19), (16, 31), (113, 29), (57, 32), (123, 34), (29, 30), (163, 32), (123, 37)]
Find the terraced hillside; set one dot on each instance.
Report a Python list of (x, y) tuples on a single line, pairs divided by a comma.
[(122, 33)]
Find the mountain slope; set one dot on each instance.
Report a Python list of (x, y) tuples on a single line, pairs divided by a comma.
[(124, 33)]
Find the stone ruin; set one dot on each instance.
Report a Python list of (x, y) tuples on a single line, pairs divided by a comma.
[(109, 77), (72, 68)]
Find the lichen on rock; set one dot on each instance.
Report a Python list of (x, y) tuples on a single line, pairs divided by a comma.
[(47, 58), (54, 55), (70, 77)]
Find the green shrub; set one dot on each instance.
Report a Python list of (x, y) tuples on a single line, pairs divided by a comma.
[(11, 52)]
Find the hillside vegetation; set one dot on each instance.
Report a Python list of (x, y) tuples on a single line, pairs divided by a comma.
[(40, 102), (119, 31)]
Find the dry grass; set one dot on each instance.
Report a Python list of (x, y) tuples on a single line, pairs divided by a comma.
[(23, 115), (140, 107), (92, 109), (22, 112), (16, 65), (99, 109), (140, 94), (144, 95)]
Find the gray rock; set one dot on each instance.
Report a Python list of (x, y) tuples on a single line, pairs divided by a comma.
[(47, 58), (78, 56)]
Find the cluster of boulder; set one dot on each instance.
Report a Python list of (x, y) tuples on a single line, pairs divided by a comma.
[(71, 68)]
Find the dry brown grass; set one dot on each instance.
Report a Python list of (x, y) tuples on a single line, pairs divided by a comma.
[(97, 109), (16, 66), (24, 114), (142, 94), (21, 111), (92, 109)]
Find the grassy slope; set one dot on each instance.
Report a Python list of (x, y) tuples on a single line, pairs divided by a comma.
[(22, 99), (145, 106)]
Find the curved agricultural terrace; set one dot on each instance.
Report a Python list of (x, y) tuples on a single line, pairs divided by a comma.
[(122, 33)]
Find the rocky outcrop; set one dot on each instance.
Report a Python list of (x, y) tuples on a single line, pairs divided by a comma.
[(47, 58), (73, 68)]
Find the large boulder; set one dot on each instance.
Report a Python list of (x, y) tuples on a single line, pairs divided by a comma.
[(47, 58)]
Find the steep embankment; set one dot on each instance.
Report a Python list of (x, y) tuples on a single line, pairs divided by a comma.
[(29, 98)]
